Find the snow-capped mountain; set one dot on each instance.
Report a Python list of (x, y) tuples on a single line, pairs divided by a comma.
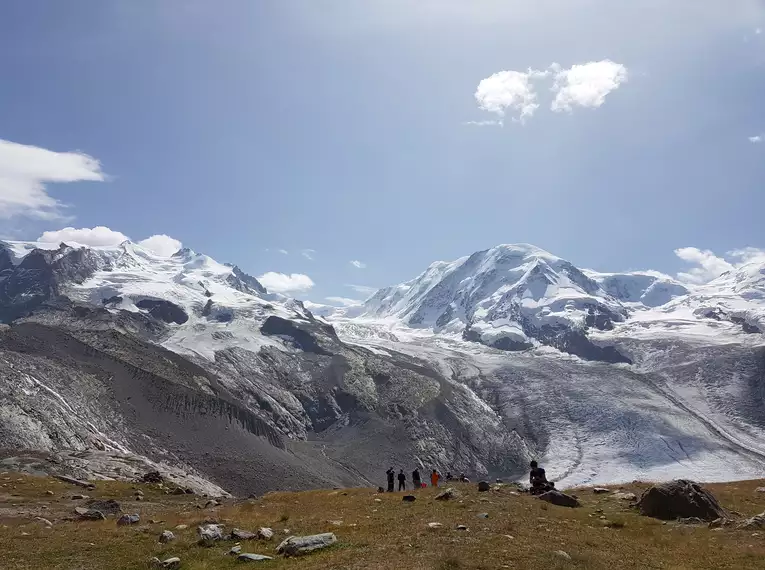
[(185, 361), (515, 297)]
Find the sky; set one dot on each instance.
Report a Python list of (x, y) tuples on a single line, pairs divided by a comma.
[(332, 147)]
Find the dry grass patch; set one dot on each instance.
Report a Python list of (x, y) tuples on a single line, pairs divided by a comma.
[(521, 531)]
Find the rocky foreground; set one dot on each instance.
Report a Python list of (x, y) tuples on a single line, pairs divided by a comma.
[(50, 523)]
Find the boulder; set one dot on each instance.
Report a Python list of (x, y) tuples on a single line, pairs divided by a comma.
[(265, 533), (89, 514), (483, 486), (108, 507), (680, 499), (166, 536), (557, 498), (447, 494), (209, 534), (126, 520), (300, 545), (247, 557)]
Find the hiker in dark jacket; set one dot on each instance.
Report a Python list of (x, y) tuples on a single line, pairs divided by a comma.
[(391, 478), (401, 480), (416, 480), (538, 479)]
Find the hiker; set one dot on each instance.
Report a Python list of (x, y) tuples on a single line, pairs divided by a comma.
[(434, 477), (448, 475), (464, 479), (416, 480), (538, 479), (391, 475), (401, 480)]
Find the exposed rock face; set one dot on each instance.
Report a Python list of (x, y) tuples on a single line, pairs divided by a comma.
[(680, 499), (163, 310)]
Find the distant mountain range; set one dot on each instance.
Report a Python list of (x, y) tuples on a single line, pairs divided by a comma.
[(476, 365)]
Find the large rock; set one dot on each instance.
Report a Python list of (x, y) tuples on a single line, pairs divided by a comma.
[(239, 534), (558, 498), (680, 499), (483, 486), (299, 545), (209, 534), (166, 536), (127, 520), (89, 514)]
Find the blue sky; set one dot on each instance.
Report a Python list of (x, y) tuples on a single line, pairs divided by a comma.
[(242, 128)]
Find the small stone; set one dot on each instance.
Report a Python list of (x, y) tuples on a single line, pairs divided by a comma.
[(46, 522), (182, 527), (562, 554), (461, 527), (336, 523), (235, 550), (166, 536), (378, 500), (172, 563), (265, 533), (238, 534), (600, 490), (247, 557), (49, 493), (435, 525), (209, 534), (624, 496), (79, 497), (299, 545), (212, 503), (126, 520), (139, 497), (483, 515), (139, 493)]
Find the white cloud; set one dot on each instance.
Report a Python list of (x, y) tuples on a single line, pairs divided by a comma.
[(756, 139), (283, 251), (161, 244), (509, 90), (24, 171), (748, 255), (100, 236), (363, 289), (490, 123), (343, 301), (586, 84), (283, 283), (358, 264), (709, 265), (308, 253)]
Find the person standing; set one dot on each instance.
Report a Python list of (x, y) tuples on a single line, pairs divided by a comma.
[(416, 480), (434, 477), (391, 477), (401, 480)]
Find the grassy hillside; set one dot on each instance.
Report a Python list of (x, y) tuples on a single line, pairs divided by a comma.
[(373, 531)]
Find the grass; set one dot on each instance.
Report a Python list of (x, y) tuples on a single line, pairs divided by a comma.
[(520, 533)]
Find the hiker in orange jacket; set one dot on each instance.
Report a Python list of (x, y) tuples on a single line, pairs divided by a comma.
[(434, 477)]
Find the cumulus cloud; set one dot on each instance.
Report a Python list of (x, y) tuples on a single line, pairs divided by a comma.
[(586, 85), (283, 283), (509, 90), (363, 289), (343, 301), (358, 264), (710, 266), (100, 236), (308, 253), (756, 139), (161, 244), (283, 251), (24, 171)]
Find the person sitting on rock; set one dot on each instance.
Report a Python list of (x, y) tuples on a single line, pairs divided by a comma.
[(538, 479), (416, 479), (434, 477), (401, 480), (391, 478)]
